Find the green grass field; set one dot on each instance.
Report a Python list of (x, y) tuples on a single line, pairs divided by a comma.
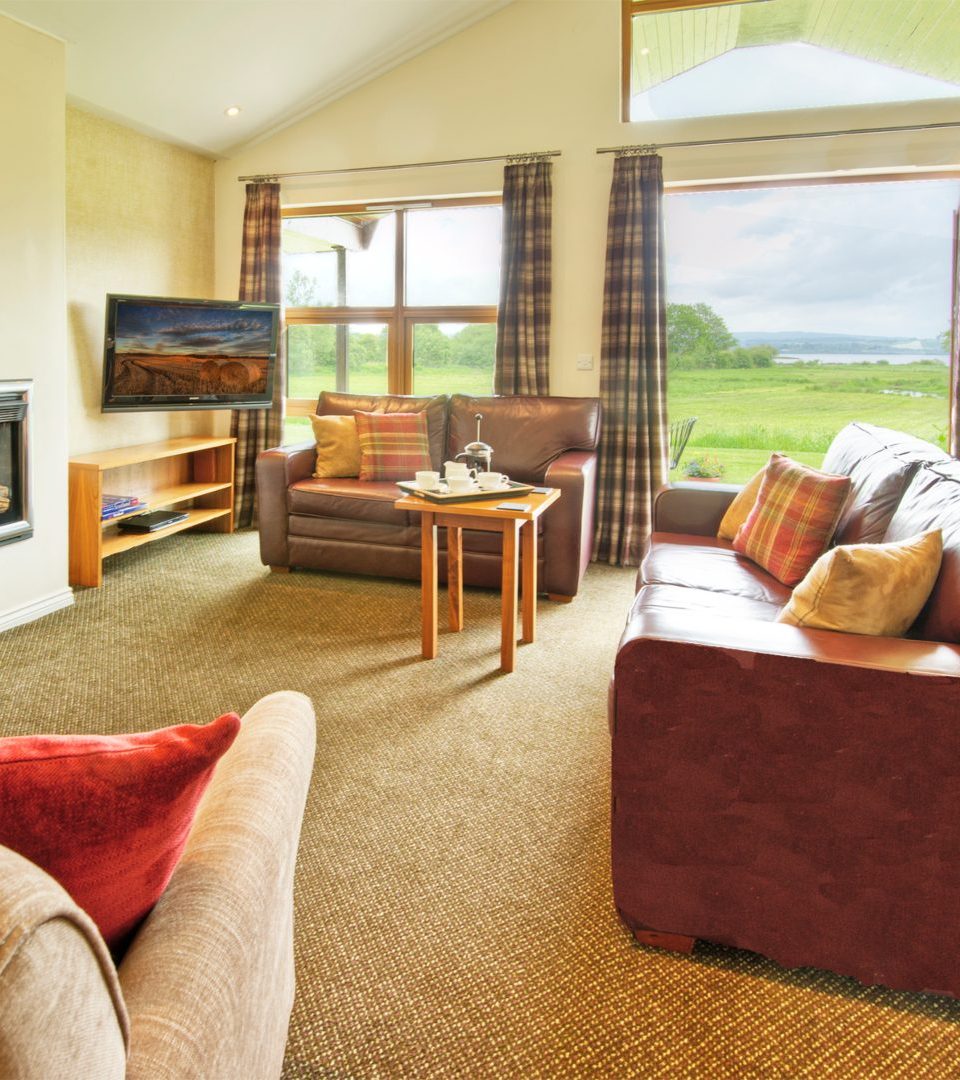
[(745, 414), (451, 378), (742, 414)]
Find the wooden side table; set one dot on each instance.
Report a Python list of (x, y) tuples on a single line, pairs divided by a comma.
[(519, 531)]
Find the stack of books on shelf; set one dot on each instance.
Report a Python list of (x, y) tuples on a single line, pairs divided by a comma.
[(112, 506)]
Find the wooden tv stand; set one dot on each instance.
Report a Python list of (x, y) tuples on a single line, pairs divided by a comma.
[(190, 473)]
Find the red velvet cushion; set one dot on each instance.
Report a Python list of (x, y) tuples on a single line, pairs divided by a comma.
[(108, 815)]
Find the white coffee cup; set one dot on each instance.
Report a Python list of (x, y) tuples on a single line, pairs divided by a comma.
[(460, 485), (428, 480), (490, 480)]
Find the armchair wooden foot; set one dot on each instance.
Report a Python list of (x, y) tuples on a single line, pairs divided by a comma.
[(674, 942), (279, 569), (559, 598)]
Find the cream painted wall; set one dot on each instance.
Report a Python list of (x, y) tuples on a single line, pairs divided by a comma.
[(542, 76), (139, 220), (33, 572)]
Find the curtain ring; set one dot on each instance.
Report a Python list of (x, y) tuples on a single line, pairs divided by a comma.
[(637, 151)]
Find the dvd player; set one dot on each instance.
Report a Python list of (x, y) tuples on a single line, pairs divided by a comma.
[(150, 522)]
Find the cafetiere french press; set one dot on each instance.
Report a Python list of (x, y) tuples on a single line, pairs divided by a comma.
[(477, 455)]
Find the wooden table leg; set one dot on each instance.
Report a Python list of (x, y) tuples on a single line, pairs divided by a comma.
[(508, 597), (455, 575), (528, 588), (428, 583)]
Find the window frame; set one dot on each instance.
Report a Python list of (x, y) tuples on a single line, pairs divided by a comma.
[(400, 317), (630, 8), (696, 187)]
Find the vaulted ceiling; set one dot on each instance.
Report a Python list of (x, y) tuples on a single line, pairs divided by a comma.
[(172, 69)]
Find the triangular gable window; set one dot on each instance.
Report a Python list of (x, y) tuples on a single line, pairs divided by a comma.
[(770, 78), (693, 58)]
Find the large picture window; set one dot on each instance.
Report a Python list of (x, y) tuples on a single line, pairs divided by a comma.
[(794, 310), (398, 300)]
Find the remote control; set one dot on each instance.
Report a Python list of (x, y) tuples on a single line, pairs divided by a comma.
[(520, 507)]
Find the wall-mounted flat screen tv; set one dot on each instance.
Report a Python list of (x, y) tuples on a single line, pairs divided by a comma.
[(163, 353)]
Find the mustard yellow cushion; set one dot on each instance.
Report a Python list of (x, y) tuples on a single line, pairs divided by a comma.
[(868, 588), (741, 506), (338, 446)]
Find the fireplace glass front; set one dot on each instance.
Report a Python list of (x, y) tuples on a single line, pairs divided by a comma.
[(15, 517)]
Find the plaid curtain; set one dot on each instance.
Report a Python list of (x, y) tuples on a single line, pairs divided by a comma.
[(633, 446), (955, 340), (523, 317), (258, 429)]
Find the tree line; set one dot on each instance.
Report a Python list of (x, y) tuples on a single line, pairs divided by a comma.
[(313, 347), (697, 337)]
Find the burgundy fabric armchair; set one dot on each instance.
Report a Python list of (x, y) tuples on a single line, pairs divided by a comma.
[(351, 525), (793, 792)]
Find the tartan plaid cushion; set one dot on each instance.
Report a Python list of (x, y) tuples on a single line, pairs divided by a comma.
[(393, 446), (793, 519)]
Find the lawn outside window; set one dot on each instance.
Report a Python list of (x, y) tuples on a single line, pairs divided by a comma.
[(793, 309)]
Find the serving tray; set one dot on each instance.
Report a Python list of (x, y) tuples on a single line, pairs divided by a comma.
[(444, 496)]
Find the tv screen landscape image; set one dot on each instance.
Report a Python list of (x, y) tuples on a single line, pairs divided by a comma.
[(163, 353)]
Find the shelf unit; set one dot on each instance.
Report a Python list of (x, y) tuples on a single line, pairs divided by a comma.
[(191, 473)]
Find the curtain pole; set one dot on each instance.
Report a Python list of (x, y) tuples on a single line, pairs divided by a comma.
[(533, 156), (650, 148)]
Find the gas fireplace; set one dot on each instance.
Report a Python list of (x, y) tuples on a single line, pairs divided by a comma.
[(16, 522)]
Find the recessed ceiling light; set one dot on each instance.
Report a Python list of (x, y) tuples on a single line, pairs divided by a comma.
[(644, 52), (233, 110)]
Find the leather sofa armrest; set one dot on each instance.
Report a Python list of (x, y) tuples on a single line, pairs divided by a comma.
[(754, 644), (277, 469), (569, 523), (692, 508), (788, 791), (758, 638), (209, 978)]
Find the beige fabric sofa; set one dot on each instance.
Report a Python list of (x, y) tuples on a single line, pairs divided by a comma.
[(206, 988)]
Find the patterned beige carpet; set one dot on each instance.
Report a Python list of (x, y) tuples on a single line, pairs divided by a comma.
[(454, 906)]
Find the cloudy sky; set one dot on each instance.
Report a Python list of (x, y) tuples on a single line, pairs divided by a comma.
[(452, 257), (157, 329), (841, 258)]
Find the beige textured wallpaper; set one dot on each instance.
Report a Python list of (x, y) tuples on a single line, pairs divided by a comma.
[(33, 572), (139, 220)]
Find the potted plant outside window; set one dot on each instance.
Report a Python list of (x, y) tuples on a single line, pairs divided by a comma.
[(704, 467)]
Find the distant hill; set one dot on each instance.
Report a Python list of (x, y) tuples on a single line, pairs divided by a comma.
[(802, 341)]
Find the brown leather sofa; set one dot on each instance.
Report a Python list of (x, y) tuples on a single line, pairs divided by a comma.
[(790, 791), (351, 525)]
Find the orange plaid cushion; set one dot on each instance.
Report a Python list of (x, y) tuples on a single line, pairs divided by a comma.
[(393, 446), (793, 519)]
